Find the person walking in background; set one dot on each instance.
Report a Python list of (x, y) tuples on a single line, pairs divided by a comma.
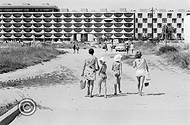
[(127, 48), (89, 71), (117, 73), (103, 76), (74, 48), (141, 67), (106, 46), (132, 47), (77, 48)]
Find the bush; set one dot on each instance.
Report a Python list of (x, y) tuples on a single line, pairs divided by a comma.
[(146, 47), (181, 59), (166, 49)]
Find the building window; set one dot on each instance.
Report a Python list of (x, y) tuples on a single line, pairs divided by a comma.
[(87, 20), (169, 24), (164, 20), (169, 15), (144, 20), (178, 36), (159, 25), (174, 21), (182, 20), (136, 30), (154, 20), (144, 30), (139, 15), (155, 30), (149, 15), (139, 25), (159, 15), (136, 20), (179, 15), (139, 35), (149, 35), (179, 25), (149, 25), (159, 35), (26, 10), (7, 10)]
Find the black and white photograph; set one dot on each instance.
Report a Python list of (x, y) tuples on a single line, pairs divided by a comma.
[(95, 62)]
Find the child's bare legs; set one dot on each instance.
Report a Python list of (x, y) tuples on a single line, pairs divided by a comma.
[(142, 81), (88, 88), (99, 86), (92, 86), (140, 84), (115, 85), (119, 83), (105, 94)]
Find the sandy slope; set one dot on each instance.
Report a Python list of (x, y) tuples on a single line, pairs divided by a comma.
[(165, 102)]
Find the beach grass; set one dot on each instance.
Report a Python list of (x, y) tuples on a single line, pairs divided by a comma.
[(13, 58)]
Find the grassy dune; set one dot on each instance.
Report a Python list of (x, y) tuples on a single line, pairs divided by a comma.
[(13, 58)]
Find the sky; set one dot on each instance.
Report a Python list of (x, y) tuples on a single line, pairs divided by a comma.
[(109, 4)]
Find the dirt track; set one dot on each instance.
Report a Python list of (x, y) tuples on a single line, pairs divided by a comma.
[(166, 100)]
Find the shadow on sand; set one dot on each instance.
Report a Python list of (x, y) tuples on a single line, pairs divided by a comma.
[(130, 93)]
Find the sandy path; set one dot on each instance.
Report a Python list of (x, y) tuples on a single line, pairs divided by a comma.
[(165, 102)]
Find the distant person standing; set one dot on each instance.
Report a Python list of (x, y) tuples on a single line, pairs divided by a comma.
[(106, 46), (127, 47), (117, 73), (132, 47), (77, 48), (74, 48), (89, 71), (141, 67)]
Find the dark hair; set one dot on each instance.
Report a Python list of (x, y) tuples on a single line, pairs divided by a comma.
[(138, 54), (91, 51)]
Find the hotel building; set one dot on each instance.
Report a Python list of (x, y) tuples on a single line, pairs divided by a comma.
[(47, 22)]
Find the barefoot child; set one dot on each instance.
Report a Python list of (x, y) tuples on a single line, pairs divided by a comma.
[(117, 72), (103, 76)]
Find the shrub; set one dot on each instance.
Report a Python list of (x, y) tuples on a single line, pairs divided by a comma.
[(181, 59), (166, 49), (146, 47)]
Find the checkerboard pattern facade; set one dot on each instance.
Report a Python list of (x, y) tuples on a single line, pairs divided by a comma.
[(145, 21)]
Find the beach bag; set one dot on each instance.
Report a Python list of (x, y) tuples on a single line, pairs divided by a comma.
[(82, 83), (147, 80)]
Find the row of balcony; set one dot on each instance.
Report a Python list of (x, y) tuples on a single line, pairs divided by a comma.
[(65, 25), (58, 35), (67, 30), (108, 15), (72, 20)]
